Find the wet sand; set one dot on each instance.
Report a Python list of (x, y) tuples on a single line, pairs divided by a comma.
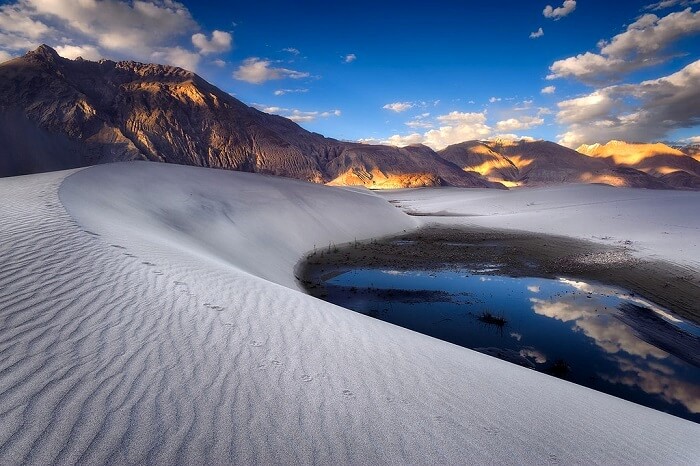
[(516, 254)]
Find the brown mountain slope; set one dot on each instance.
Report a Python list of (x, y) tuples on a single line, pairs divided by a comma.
[(391, 167), (691, 150), (60, 113), (532, 162), (656, 159), (477, 156)]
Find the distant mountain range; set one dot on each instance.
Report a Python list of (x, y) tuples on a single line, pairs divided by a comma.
[(59, 113)]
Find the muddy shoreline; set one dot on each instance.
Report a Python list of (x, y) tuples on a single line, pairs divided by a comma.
[(512, 253)]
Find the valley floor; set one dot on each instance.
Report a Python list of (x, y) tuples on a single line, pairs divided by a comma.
[(149, 313)]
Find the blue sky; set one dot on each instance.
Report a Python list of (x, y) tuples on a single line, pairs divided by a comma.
[(405, 72)]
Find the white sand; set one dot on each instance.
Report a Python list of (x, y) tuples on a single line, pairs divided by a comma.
[(157, 320), (653, 224)]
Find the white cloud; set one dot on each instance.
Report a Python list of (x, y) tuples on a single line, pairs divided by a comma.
[(176, 56), (296, 115), (220, 42), (14, 19), (691, 140), (87, 52), (670, 3), (154, 30), (640, 112), (495, 99), (548, 90), (219, 62), (641, 45), (537, 34), (557, 13), (349, 58), (258, 70), (420, 121), (4, 56), (279, 92), (401, 141), (372, 141), (399, 107), (454, 127), (291, 50), (520, 123)]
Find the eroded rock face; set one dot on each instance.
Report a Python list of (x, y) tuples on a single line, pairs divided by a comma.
[(657, 159), (60, 113), (534, 162)]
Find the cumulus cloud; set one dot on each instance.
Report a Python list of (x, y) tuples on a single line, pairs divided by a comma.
[(297, 115), (220, 42), (142, 30), (557, 13), (453, 127), (176, 56), (349, 58), (399, 107), (401, 141), (87, 52), (537, 34), (16, 19), (641, 45), (520, 123), (642, 112), (548, 90), (494, 99), (258, 70)]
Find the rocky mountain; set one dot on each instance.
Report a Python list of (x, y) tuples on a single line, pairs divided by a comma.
[(656, 159), (59, 113), (691, 150), (535, 162)]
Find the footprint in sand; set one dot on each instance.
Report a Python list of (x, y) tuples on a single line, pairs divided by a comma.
[(158, 272), (256, 343), (306, 378), (91, 233), (348, 394), (117, 246), (275, 363), (149, 264)]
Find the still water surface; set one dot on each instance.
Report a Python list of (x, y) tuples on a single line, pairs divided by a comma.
[(594, 335)]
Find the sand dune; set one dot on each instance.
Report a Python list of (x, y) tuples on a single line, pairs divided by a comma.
[(651, 224), (150, 315)]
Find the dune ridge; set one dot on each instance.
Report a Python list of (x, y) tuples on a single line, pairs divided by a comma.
[(150, 315)]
